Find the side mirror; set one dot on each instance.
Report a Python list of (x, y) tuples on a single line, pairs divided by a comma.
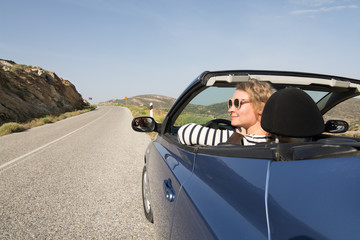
[(144, 124), (336, 126)]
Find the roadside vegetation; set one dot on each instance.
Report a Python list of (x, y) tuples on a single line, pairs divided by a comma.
[(192, 118), (142, 111), (12, 127), (194, 114)]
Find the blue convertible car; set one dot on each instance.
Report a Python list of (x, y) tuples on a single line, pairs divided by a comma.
[(308, 188)]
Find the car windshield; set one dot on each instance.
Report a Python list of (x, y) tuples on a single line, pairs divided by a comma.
[(208, 105)]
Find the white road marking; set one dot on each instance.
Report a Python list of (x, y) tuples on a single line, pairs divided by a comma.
[(50, 143)]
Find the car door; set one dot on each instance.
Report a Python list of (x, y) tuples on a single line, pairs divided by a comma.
[(224, 197), (168, 169), (315, 199)]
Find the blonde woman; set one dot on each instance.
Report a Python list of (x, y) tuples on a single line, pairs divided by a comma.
[(245, 109)]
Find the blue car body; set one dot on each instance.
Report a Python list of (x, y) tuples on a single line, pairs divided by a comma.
[(245, 192)]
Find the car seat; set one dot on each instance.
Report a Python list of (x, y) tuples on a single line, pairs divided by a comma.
[(292, 113), (293, 118)]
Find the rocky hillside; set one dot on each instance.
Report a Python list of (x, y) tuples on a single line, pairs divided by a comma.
[(158, 101), (28, 92), (348, 110)]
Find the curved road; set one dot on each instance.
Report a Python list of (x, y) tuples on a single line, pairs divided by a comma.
[(79, 178)]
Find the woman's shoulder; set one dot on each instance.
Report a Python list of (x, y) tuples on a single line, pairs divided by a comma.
[(252, 139)]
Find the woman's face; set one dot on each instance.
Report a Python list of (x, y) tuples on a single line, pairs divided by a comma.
[(244, 116)]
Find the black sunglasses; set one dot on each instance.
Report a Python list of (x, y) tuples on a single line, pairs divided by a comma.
[(237, 103)]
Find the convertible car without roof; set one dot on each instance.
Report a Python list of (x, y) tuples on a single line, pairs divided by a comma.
[(303, 185)]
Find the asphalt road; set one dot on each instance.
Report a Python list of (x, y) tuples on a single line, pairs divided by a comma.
[(79, 178)]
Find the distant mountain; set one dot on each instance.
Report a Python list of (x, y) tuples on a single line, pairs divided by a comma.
[(158, 101), (348, 110)]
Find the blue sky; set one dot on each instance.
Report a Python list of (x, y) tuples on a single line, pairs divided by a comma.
[(113, 48)]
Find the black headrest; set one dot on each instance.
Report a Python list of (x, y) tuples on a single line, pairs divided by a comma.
[(291, 112)]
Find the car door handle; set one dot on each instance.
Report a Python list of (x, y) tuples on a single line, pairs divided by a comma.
[(169, 190)]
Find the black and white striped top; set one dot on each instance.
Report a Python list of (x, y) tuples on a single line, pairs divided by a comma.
[(194, 134), (252, 139)]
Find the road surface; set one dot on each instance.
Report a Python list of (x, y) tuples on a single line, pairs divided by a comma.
[(79, 178)]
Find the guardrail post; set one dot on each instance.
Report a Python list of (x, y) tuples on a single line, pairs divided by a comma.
[(151, 110)]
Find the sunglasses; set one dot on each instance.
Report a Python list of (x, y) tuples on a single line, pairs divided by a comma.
[(237, 103)]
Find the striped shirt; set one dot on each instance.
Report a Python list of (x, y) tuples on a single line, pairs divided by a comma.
[(252, 139), (194, 134)]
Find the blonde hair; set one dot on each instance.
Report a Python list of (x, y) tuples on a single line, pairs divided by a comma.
[(259, 93)]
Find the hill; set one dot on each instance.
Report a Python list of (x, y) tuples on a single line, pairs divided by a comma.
[(158, 101), (30, 92), (348, 110)]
